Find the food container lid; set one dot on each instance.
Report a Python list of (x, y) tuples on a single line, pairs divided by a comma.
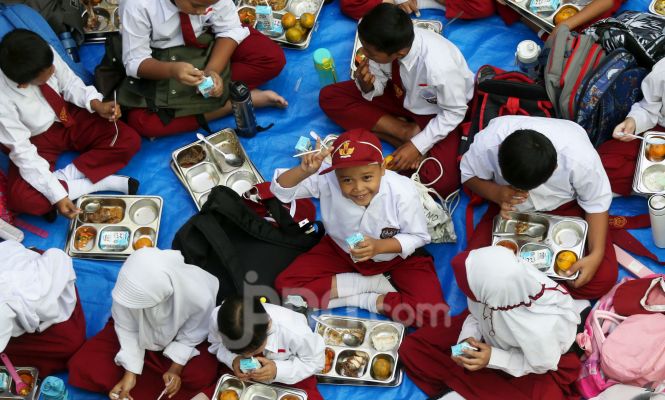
[(528, 51), (657, 202)]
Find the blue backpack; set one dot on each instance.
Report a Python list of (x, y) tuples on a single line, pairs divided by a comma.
[(21, 16), (607, 94)]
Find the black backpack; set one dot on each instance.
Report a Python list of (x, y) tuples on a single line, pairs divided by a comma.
[(62, 15), (500, 93), (641, 33), (231, 241)]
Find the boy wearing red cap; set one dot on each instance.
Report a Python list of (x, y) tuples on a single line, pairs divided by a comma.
[(361, 197)]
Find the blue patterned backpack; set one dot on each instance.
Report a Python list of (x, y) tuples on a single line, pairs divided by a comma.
[(607, 94)]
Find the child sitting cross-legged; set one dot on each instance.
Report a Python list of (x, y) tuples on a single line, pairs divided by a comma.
[(279, 339), (360, 197)]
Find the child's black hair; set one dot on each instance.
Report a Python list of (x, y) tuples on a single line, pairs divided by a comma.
[(24, 55), (527, 159), (387, 28), (243, 323)]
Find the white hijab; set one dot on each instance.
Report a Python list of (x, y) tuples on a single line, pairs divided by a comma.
[(519, 306), (38, 288), (163, 292)]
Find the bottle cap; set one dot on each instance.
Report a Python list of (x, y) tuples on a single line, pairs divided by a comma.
[(657, 202), (528, 51), (323, 58), (239, 91)]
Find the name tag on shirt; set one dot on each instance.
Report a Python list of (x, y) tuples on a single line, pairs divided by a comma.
[(427, 93)]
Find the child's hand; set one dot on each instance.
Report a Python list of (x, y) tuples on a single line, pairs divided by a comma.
[(365, 250), (172, 382), (67, 208), (121, 390), (186, 73), (107, 110), (475, 360), (627, 126), (407, 156), (311, 163), (410, 6), (218, 89), (266, 373), (587, 266), (236, 369), (364, 77), (508, 197)]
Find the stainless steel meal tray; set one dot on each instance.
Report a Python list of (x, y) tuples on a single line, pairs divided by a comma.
[(371, 349), (141, 217), (108, 15), (200, 168), (650, 169), (256, 391), (34, 393), (558, 234)]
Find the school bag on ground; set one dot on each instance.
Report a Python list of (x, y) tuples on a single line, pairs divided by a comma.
[(61, 15), (500, 93), (568, 58), (621, 349), (240, 247), (21, 16), (607, 94), (641, 33)]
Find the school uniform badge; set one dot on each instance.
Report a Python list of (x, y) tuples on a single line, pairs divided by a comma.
[(387, 233), (345, 151)]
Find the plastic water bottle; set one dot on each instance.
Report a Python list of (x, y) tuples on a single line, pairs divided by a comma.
[(243, 110), (325, 67), (53, 388), (657, 217), (527, 57), (70, 45)]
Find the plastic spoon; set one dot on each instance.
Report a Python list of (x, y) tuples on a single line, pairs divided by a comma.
[(21, 387), (317, 137), (348, 339), (231, 159), (651, 140)]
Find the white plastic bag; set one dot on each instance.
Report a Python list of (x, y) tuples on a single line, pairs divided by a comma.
[(439, 215)]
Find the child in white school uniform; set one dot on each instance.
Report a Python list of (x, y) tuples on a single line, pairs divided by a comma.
[(279, 338), (155, 339), (41, 318), (361, 197), (528, 164), (46, 110), (620, 155), (412, 91), (522, 325)]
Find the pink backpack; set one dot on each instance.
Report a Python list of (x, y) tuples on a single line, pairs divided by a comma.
[(618, 349)]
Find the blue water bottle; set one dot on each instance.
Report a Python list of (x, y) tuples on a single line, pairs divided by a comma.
[(325, 67), (53, 388), (70, 45)]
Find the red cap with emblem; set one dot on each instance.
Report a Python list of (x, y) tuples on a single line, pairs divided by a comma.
[(355, 148)]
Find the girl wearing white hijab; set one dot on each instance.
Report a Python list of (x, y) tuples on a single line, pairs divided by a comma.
[(522, 323), (158, 328), (41, 319)]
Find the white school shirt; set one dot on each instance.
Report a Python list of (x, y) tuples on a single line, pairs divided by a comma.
[(436, 80), (297, 352), (395, 211), (579, 174), (650, 111), (37, 290), (25, 113), (150, 24)]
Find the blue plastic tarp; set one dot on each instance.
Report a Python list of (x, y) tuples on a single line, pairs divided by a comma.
[(487, 41)]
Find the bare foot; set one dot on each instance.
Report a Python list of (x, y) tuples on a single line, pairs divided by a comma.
[(268, 98)]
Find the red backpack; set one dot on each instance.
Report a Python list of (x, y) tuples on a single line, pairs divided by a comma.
[(500, 93)]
